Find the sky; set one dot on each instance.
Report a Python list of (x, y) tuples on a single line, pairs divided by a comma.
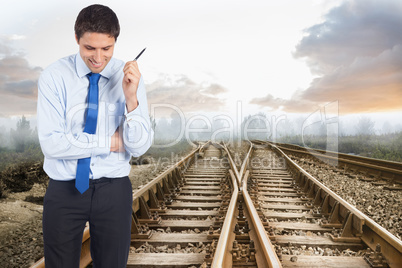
[(218, 57)]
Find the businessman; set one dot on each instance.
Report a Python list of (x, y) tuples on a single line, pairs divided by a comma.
[(92, 117)]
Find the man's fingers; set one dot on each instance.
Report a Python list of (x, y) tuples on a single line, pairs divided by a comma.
[(117, 143), (132, 76), (131, 73), (131, 65)]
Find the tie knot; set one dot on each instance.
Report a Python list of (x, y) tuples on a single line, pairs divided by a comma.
[(94, 78)]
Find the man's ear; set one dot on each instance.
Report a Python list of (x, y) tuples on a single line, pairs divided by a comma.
[(76, 38)]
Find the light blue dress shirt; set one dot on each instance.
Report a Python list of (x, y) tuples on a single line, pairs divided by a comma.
[(62, 101)]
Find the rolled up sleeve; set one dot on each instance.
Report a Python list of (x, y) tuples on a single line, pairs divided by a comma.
[(138, 133)]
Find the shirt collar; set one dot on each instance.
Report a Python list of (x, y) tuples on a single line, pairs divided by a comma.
[(83, 70), (81, 67)]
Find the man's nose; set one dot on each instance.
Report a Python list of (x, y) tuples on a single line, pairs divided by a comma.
[(98, 55)]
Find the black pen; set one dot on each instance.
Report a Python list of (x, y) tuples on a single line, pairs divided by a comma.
[(136, 58)]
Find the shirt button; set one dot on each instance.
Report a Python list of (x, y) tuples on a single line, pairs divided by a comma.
[(92, 164)]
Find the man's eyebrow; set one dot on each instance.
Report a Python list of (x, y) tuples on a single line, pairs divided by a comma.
[(90, 47)]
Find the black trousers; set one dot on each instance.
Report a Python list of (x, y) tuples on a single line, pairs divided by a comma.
[(106, 205)]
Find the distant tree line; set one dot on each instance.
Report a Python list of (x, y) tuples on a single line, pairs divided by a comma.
[(19, 145), (360, 138)]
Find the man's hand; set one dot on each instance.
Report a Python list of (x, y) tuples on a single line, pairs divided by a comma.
[(131, 80), (117, 144)]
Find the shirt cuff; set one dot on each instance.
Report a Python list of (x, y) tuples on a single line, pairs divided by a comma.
[(130, 117)]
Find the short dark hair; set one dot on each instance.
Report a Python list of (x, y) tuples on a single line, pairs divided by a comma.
[(97, 19)]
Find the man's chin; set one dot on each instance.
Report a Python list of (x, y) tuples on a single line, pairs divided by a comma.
[(96, 70)]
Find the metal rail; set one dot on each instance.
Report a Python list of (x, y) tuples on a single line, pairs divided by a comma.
[(222, 257), (167, 172), (246, 160), (232, 164), (266, 256), (270, 258), (238, 174)]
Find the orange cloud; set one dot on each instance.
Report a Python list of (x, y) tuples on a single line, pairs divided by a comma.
[(357, 54)]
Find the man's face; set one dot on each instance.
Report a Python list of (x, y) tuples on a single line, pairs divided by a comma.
[(96, 49)]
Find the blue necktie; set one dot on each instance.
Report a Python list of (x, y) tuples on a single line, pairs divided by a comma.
[(82, 177)]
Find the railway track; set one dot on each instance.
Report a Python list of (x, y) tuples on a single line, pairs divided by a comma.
[(189, 210), (371, 169), (204, 212), (309, 224)]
